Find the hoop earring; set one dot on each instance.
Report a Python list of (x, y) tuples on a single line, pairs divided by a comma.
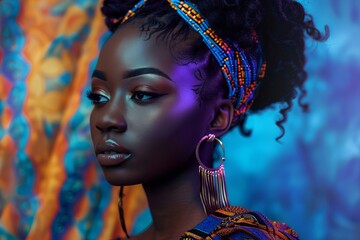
[(213, 192), (121, 211)]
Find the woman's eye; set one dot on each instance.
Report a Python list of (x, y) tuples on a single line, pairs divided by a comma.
[(96, 98), (143, 96)]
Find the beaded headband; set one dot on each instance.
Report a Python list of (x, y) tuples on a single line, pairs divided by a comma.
[(242, 70)]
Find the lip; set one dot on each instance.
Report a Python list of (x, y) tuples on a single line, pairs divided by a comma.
[(111, 153)]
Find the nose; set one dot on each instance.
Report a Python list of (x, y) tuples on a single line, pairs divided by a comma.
[(111, 119)]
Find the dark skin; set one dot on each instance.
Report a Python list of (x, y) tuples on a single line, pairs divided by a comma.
[(157, 117)]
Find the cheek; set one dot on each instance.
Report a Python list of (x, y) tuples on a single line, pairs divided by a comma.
[(95, 134), (172, 130), (92, 125)]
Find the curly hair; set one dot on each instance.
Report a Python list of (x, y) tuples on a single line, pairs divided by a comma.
[(282, 26)]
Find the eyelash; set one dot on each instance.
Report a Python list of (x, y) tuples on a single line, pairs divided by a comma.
[(95, 98), (145, 93)]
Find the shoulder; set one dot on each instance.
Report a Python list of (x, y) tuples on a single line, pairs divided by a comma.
[(239, 223)]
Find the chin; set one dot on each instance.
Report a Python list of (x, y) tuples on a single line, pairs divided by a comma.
[(116, 178)]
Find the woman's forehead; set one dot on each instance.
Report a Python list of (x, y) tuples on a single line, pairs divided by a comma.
[(128, 49), (128, 46)]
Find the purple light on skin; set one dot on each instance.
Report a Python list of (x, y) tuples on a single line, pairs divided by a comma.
[(185, 74)]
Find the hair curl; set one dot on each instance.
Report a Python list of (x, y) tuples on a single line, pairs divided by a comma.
[(280, 24)]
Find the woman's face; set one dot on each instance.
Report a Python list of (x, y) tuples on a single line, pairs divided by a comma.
[(147, 120)]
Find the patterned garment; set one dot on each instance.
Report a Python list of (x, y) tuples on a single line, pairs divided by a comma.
[(235, 223)]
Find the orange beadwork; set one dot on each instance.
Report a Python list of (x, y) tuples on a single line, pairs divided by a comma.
[(131, 12)]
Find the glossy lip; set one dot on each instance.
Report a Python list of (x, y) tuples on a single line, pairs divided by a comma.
[(110, 153)]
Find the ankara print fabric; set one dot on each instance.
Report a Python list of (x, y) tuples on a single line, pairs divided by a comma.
[(239, 223), (51, 186)]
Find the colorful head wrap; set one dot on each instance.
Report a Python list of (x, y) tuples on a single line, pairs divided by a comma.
[(242, 69)]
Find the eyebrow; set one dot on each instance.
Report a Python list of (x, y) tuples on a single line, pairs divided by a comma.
[(99, 74), (142, 71), (133, 73)]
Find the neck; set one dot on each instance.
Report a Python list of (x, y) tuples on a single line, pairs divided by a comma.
[(175, 203)]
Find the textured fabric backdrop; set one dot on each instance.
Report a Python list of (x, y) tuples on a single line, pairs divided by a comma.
[(52, 188)]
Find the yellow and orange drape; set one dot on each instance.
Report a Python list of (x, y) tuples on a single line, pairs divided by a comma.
[(50, 184)]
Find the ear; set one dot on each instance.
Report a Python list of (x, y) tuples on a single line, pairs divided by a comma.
[(223, 116)]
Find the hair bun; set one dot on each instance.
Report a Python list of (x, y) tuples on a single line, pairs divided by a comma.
[(233, 19), (114, 10)]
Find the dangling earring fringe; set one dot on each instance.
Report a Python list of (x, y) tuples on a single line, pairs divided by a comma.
[(213, 192)]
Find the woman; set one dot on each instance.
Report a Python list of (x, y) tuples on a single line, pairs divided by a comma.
[(173, 78)]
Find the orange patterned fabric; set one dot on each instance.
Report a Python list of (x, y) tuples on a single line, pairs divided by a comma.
[(50, 184), (239, 223)]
